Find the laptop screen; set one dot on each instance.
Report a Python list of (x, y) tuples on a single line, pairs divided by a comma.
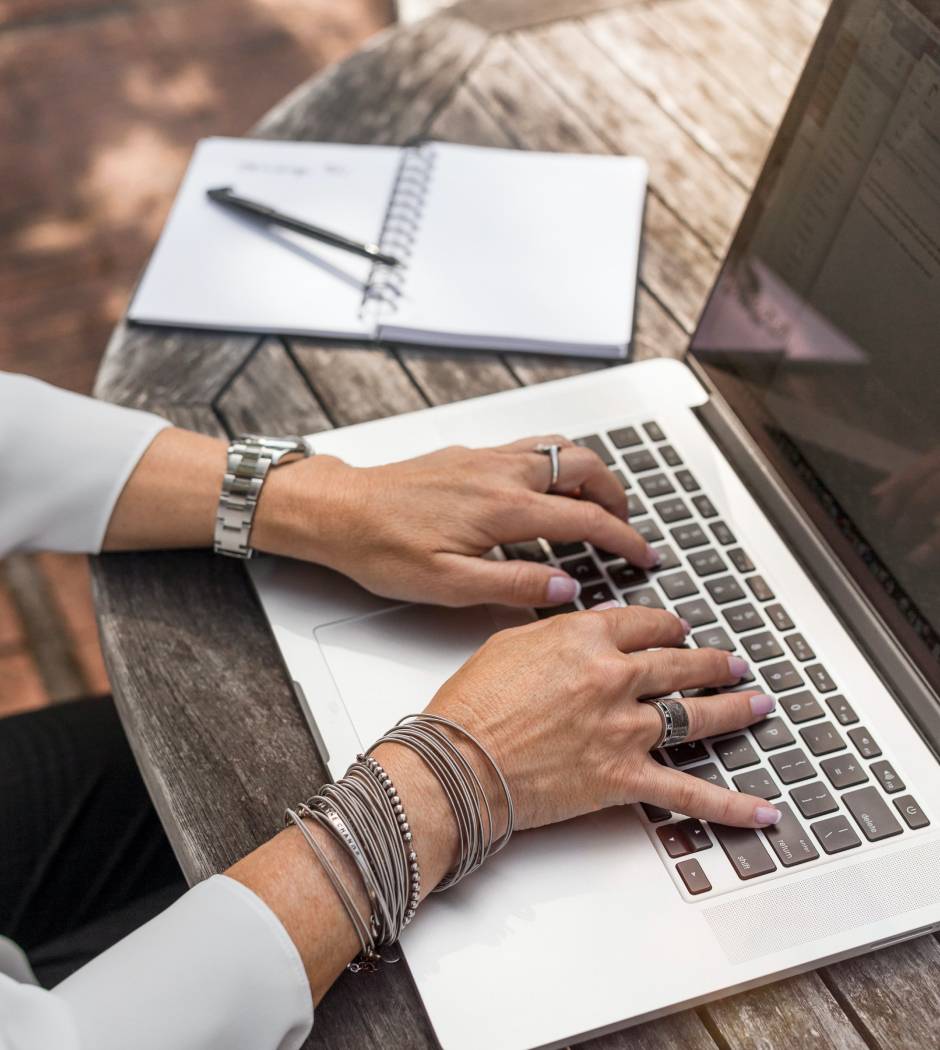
[(823, 330)]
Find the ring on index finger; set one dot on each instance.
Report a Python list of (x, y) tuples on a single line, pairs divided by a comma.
[(675, 721), (554, 454)]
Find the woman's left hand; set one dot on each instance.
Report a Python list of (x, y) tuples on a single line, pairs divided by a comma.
[(417, 530)]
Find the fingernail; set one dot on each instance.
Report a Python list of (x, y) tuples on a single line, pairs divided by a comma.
[(653, 558), (762, 704), (767, 815), (686, 626), (606, 605), (737, 666), (562, 589)]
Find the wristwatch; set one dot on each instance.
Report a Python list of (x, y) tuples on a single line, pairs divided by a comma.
[(250, 457)]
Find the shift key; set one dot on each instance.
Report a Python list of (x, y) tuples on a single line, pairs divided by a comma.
[(743, 848), (788, 839)]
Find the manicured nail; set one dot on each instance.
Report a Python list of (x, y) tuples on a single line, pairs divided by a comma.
[(653, 558), (737, 666), (767, 815), (762, 704), (605, 605), (686, 626), (562, 589)]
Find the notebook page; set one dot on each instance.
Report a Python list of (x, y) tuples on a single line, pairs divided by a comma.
[(525, 250), (215, 268)]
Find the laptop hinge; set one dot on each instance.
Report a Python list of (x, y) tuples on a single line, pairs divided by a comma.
[(901, 676)]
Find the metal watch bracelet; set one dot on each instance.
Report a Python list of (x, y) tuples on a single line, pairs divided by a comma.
[(250, 457)]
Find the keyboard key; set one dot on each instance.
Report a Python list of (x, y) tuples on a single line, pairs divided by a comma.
[(695, 834), (690, 871), (584, 570), (735, 752), (759, 588), (721, 532), (674, 842), (814, 799), (626, 575), (596, 444), (745, 851), (605, 556), (871, 813), (678, 585), (705, 507), (822, 738), (771, 734), (819, 676), (670, 457), (865, 743), (635, 506), (757, 782), (687, 536), (800, 647), (913, 815), (842, 709), (708, 772), (762, 646), (531, 550), (595, 594), (835, 834), (567, 550), (640, 461), (843, 771), (886, 776), (671, 510), (654, 431), (740, 560), (788, 839), (779, 617), (697, 613), (792, 766), (801, 707), (724, 589), (556, 610), (644, 596), (713, 638), (707, 563), (655, 814), (687, 480), (655, 485), (621, 478), (741, 618), (782, 676), (624, 437), (686, 752), (668, 558), (648, 529)]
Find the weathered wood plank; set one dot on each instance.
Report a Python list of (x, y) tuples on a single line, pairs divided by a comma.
[(498, 16), (445, 378), (270, 395), (796, 1012), (683, 1031), (784, 30)]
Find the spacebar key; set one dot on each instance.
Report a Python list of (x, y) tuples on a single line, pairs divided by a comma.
[(745, 851)]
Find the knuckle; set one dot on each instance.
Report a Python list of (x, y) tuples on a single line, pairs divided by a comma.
[(688, 794), (520, 584)]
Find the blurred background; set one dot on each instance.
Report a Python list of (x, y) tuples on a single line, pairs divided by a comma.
[(101, 102)]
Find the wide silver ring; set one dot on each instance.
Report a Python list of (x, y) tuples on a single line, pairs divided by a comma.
[(554, 454), (675, 721)]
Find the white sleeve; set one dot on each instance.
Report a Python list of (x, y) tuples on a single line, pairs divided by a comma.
[(216, 971), (64, 460)]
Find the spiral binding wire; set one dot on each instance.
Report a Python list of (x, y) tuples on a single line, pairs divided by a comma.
[(400, 229)]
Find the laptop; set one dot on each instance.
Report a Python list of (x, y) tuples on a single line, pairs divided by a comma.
[(789, 472)]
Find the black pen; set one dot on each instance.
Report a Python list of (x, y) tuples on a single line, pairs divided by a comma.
[(224, 195)]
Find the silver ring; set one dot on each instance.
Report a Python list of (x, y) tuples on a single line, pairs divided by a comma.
[(554, 453), (675, 721)]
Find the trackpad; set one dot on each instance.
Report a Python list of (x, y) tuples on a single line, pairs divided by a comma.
[(390, 663)]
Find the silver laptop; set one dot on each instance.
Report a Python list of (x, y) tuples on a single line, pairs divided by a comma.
[(790, 474)]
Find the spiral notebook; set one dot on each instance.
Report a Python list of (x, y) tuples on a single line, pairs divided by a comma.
[(498, 249)]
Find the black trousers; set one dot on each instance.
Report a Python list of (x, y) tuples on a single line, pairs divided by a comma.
[(83, 858)]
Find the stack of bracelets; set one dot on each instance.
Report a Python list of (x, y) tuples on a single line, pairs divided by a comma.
[(364, 814)]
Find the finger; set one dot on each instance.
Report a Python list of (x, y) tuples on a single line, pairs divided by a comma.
[(635, 627), (564, 520), (681, 793), (669, 670), (711, 715), (527, 444), (523, 583)]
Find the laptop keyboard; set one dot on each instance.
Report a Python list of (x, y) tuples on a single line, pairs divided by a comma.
[(814, 759)]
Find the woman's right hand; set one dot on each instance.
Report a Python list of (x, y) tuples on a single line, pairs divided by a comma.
[(557, 704)]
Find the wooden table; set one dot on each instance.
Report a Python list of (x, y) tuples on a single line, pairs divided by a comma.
[(696, 87)]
